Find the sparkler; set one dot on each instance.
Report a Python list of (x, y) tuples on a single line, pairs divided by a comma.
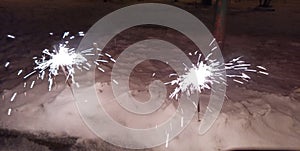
[(206, 72), (62, 58), (65, 59)]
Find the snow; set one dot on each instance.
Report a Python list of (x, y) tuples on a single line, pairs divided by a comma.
[(264, 113)]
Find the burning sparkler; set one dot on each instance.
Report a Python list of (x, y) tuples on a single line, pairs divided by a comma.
[(61, 58), (66, 59), (202, 75)]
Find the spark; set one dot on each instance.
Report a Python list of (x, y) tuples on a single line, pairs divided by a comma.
[(62, 58), (113, 60), (214, 48), (105, 61), (19, 72), (11, 36), (81, 33), (206, 72), (212, 41), (28, 75), (66, 34), (181, 121), (235, 80), (116, 82), (77, 84), (261, 67), (167, 140), (9, 112), (101, 69), (108, 55), (7, 64), (195, 105), (262, 72), (197, 78), (13, 97), (32, 84)]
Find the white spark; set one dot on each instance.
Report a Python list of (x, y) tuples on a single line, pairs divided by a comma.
[(101, 69), (113, 60), (105, 61), (214, 48), (6, 64), (251, 70), (116, 82), (181, 121), (238, 81), (212, 42), (89, 54), (108, 55), (77, 84), (9, 112), (86, 68), (202, 75), (32, 84), (81, 33), (13, 97), (19, 72), (66, 34), (31, 73), (167, 141), (172, 74), (96, 63), (50, 80), (197, 78), (195, 105), (262, 72), (261, 67), (61, 58), (11, 36)]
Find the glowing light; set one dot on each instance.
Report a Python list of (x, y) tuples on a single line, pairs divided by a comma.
[(202, 75)]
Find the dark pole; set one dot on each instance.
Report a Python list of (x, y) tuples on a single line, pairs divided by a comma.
[(207, 2), (219, 23)]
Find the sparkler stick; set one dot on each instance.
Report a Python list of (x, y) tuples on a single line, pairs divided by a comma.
[(67, 81)]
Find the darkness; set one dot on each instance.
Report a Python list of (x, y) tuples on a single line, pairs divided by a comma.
[(266, 36)]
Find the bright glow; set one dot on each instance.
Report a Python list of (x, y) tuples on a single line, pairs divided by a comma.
[(64, 58), (202, 76)]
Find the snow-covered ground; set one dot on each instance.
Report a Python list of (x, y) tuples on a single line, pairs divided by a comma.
[(261, 114)]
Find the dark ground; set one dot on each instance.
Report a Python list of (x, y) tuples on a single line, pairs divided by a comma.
[(270, 39)]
